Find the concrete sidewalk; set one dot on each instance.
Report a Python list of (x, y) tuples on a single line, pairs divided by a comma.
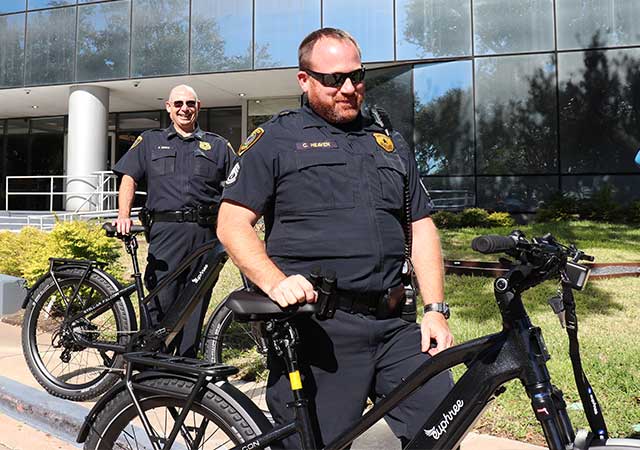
[(22, 398)]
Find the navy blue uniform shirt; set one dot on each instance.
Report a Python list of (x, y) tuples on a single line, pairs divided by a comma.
[(330, 197), (180, 172)]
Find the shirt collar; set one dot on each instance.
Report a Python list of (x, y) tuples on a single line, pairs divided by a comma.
[(311, 119), (197, 132)]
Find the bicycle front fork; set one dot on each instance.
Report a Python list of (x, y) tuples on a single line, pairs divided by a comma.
[(550, 409)]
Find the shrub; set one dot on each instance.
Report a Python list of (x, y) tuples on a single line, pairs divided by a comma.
[(26, 254), (559, 208), (445, 219), (474, 217), (633, 213), (500, 219)]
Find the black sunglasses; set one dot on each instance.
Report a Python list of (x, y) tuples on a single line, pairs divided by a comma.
[(336, 80), (178, 104)]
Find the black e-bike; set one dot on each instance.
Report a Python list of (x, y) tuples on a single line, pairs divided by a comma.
[(166, 402)]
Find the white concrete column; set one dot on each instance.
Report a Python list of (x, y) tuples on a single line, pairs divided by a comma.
[(87, 144)]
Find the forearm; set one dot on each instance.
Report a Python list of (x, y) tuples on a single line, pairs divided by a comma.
[(126, 195), (244, 247), (427, 260)]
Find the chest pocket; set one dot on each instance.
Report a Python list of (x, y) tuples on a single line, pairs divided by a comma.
[(391, 173), (163, 162), (323, 181), (205, 165)]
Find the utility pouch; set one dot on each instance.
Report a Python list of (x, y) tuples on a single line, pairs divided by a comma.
[(146, 220), (410, 286), (207, 215)]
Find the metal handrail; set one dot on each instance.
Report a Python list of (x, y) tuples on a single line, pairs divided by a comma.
[(104, 179)]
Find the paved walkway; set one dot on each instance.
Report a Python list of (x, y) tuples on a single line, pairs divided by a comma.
[(31, 419)]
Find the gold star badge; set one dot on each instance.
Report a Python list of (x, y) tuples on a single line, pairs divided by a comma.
[(384, 141)]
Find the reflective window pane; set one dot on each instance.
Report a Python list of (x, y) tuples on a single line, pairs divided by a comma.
[(9, 6), (392, 89), (103, 41), (510, 26), (227, 122), (515, 194), (623, 188), (50, 46), (369, 21), (516, 115), (597, 23), (220, 37), (599, 104), (280, 26), (12, 50), (433, 28), (261, 110), (451, 193), (160, 41), (39, 4), (444, 118)]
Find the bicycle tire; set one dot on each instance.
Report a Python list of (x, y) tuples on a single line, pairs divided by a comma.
[(239, 344), (118, 425), (88, 373)]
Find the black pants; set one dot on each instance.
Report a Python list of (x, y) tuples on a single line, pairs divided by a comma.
[(346, 359), (170, 244)]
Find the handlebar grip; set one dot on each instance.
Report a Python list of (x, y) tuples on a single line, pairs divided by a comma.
[(111, 230), (493, 244)]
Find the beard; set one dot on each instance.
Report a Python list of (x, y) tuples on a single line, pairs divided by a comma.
[(337, 112)]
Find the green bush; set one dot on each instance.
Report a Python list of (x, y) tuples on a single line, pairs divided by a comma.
[(559, 208), (26, 254), (500, 219), (446, 219), (633, 213), (474, 217)]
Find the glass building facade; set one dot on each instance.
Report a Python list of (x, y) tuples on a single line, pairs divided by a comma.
[(505, 102)]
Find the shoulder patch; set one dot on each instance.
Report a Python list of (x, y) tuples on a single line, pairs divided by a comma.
[(384, 142), (205, 146), (136, 142), (233, 175), (251, 140)]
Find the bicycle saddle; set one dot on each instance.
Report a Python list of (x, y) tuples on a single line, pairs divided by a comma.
[(251, 306)]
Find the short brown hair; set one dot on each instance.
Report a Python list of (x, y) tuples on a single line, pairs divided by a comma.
[(307, 44)]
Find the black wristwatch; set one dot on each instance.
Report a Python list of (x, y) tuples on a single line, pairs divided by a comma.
[(441, 307)]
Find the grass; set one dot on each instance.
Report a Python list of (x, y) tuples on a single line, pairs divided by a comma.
[(608, 313)]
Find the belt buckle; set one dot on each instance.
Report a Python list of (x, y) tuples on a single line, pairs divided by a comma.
[(179, 216)]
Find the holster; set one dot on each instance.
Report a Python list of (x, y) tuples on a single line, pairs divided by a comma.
[(390, 304), (146, 220), (410, 284)]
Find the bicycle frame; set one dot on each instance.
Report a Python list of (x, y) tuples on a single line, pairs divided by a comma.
[(186, 302)]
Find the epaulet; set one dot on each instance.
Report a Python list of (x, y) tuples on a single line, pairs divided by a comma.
[(286, 112), (211, 133)]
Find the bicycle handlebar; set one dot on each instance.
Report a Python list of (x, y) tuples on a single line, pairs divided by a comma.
[(492, 243), (111, 230)]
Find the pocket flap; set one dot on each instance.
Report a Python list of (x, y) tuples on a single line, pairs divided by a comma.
[(392, 161), (158, 153), (312, 158)]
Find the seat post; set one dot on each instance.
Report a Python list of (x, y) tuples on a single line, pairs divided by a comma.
[(285, 340)]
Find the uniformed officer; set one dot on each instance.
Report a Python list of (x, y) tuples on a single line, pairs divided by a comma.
[(329, 182), (183, 167)]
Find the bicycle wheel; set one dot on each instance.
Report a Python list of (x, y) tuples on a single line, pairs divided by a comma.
[(239, 344), (58, 362), (212, 423)]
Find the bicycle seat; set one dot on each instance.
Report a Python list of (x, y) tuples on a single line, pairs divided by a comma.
[(111, 230), (251, 306)]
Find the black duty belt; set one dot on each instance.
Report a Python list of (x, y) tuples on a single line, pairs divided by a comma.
[(372, 303), (187, 215)]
